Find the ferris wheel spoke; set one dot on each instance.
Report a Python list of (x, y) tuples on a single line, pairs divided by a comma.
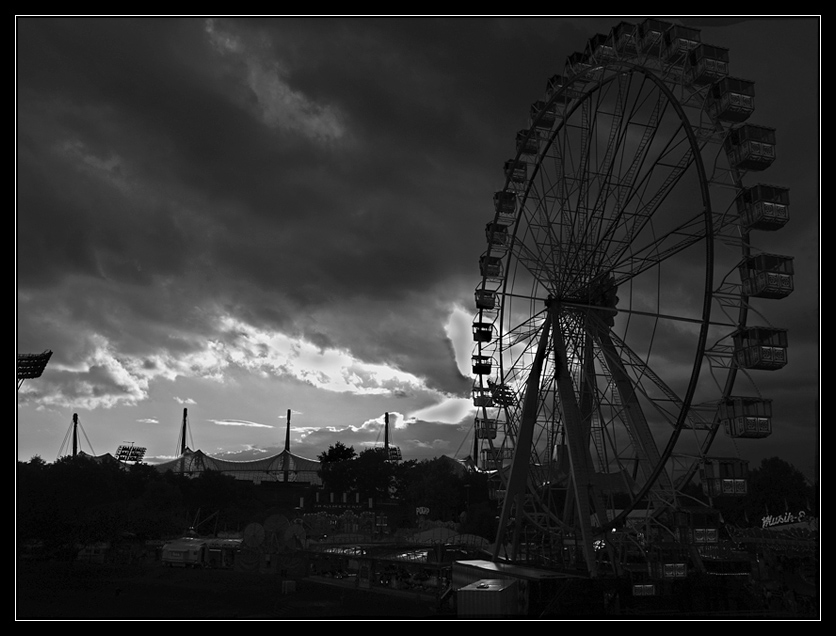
[(537, 260), (636, 212), (614, 403), (598, 382), (521, 333), (674, 242), (612, 183), (642, 371), (634, 418), (562, 245)]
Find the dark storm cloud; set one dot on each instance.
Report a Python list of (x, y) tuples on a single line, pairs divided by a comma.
[(140, 165), (326, 178)]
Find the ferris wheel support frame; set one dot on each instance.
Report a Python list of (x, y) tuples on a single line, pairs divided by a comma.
[(582, 483), (515, 490), (577, 440)]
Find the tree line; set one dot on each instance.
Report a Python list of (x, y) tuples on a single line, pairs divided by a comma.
[(78, 501), (442, 487)]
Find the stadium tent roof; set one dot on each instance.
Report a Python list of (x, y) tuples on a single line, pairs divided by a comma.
[(107, 457), (269, 469)]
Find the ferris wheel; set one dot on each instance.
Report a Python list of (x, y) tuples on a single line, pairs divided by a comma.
[(618, 332)]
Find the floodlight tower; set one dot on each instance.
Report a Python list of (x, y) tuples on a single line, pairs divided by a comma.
[(31, 365), (393, 453), (128, 452)]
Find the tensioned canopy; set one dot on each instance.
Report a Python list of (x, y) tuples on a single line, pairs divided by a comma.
[(278, 468)]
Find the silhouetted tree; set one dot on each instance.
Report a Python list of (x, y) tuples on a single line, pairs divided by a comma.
[(73, 502), (160, 510), (374, 474), (437, 484), (337, 452), (33, 500), (481, 509), (335, 470), (776, 487)]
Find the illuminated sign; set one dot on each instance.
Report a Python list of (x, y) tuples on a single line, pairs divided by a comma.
[(770, 521)]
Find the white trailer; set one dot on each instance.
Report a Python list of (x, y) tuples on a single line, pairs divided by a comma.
[(186, 552)]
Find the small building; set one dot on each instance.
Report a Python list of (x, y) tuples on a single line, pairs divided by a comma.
[(94, 552)]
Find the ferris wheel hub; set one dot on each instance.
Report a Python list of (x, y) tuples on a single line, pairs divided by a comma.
[(601, 197)]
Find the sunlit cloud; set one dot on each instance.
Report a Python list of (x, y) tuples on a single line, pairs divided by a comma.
[(159, 459), (240, 423), (459, 332), (396, 421), (102, 377), (246, 453), (330, 369), (449, 411), (435, 445)]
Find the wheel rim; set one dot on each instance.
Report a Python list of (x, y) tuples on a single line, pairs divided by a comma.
[(573, 305)]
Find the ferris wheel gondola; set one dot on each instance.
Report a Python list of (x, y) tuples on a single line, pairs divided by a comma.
[(613, 311)]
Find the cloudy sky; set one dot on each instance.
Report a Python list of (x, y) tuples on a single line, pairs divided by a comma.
[(245, 216)]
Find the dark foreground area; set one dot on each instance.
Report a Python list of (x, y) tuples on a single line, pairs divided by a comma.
[(85, 591), (49, 590)]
